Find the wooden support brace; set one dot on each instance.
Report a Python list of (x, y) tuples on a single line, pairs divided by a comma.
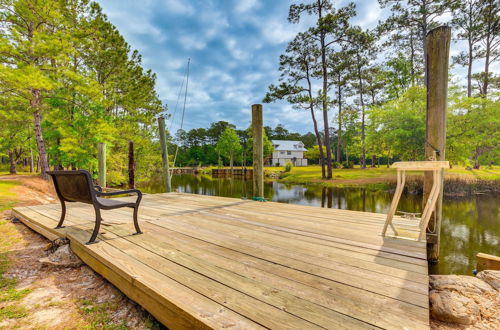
[(401, 174)]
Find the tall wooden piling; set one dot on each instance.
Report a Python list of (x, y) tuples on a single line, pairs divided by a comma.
[(438, 49), (101, 160), (131, 165), (258, 151), (164, 153)]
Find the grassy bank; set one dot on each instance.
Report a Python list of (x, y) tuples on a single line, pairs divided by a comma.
[(8, 198), (457, 180)]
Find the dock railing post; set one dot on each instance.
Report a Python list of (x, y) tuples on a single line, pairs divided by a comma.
[(101, 160), (164, 153), (258, 151), (438, 49)]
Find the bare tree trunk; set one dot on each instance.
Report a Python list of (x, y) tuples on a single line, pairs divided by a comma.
[(12, 161), (339, 132), (320, 144), (231, 163), (363, 151), (469, 70), (412, 60), (486, 69), (35, 105), (315, 122), (131, 165), (476, 158), (324, 98)]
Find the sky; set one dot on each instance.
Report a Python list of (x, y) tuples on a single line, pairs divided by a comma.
[(234, 47)]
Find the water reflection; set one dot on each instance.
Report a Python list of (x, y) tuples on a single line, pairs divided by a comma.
[(470, 224)]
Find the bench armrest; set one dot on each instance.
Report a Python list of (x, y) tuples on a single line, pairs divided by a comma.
[(123, 192)]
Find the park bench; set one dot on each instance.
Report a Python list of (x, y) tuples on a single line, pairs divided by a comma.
[(77, 186)]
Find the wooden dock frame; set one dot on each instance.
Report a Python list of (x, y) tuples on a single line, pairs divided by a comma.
[(436, 167), (213, 262)]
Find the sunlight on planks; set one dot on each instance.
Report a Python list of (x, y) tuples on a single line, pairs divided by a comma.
[(214, 262)]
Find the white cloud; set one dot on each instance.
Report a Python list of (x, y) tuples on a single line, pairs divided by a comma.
[(246, 5), (179, 7), (190, 41)]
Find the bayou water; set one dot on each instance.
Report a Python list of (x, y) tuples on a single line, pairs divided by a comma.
[(470, 224)]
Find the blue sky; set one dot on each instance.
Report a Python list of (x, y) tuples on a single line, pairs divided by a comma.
[(234, 46)]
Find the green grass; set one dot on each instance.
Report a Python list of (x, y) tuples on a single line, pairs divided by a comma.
[(12, 312), (8, 291), (98, 315), (7, 196), (2, 173)]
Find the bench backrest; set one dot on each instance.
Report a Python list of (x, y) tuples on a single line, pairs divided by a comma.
[(74, 186)]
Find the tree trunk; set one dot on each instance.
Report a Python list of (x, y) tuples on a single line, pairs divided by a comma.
[(469, 70), (131, 165), (35, 105), (315, 122), (339, 132), (320, 145), (12, 161), (424, 36), (476, 158), (324, 98), (486, 68), (374, 160), (31, 161), (231, 162), (363, 152), (412, 60)]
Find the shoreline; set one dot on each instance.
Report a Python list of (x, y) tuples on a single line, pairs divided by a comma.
[(458, 182)]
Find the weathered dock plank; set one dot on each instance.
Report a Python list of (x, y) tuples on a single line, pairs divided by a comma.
[(213, 262)]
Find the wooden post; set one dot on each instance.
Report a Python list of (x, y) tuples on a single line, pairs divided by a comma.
[(164, 153), (487, 261), (258, 151), (438, 49), (101, 158), (131, 165)]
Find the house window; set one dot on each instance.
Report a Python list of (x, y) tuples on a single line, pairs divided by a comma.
[(288, 152), (282, 152)]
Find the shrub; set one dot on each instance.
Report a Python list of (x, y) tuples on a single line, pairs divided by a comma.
[(347, 165), (288, 167), (336, 165)]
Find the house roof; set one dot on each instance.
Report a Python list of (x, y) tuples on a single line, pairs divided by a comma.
[(284, 145)]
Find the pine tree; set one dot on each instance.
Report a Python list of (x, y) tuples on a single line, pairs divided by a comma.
[(467, 19), (297, 67)]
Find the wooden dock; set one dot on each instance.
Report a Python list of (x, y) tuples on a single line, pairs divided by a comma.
[(213, 262)]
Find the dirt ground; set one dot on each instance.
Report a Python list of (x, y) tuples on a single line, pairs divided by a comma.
[(37, 296)]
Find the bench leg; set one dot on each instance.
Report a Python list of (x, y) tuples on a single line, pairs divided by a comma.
[(96, 228), (136, 222), (63, 215)]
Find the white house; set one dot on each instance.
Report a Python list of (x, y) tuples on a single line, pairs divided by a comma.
[(288, 151)]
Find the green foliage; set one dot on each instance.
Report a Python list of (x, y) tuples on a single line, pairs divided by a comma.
[(229, 144), (267, 145), (398, 127), (288, 167), (65, 60), (313, 153), (472, 135), (347, 164), (337, 165)]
